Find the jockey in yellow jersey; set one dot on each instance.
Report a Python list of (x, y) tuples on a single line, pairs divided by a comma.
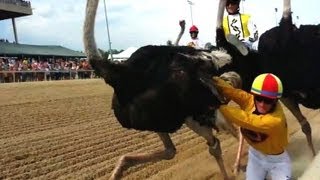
[(239, 25), (263, 125)]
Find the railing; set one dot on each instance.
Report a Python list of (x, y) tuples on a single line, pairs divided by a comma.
[(42, 75)]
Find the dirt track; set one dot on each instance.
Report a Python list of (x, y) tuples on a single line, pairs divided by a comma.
[(66, 130)]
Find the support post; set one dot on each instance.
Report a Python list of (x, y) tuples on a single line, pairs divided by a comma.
[(15, 30)]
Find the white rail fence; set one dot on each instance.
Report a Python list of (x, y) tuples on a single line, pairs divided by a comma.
[(39, 75)]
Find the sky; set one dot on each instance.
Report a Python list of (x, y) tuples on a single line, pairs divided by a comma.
[(140, 22)]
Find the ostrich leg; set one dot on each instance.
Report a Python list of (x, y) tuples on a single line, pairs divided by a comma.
[(289, 102), (129, 160), (213, 143), (305, 126), (238, 158)]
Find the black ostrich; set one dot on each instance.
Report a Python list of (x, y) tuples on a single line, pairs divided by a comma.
[(293, 55), (158, 89)]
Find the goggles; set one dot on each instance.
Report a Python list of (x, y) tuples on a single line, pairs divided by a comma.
[(264, 99)]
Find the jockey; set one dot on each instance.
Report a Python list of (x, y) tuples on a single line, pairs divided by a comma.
[(195, 42), (263, 125), (239, 26)]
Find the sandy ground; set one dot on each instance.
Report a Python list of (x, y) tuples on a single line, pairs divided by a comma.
[(313, 170), (66, 130)]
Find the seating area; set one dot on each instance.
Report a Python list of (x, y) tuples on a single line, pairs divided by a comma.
[(30, 69)]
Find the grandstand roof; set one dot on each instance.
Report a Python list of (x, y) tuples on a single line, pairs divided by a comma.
[(13, 9), (13, 49)]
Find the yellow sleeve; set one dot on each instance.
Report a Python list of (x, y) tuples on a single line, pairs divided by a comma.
[(258, 123), (239, 96), (225, 25)]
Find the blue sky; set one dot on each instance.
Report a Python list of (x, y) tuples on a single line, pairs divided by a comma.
[(140, 22)]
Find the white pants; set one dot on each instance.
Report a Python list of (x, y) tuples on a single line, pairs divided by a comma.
[(261, 166)]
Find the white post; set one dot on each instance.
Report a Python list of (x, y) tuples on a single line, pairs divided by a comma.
[(191, 3), (105, 12)]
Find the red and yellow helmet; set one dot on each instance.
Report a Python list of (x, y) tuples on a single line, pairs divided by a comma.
[(193, 29), (267, 85)]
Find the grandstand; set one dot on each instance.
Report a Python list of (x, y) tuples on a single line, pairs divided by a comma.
[(12, 9), (26, 50), (26, 62)]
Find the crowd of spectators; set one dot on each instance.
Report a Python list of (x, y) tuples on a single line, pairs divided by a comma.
[(17, 2), (4, 40), (29, 69)]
